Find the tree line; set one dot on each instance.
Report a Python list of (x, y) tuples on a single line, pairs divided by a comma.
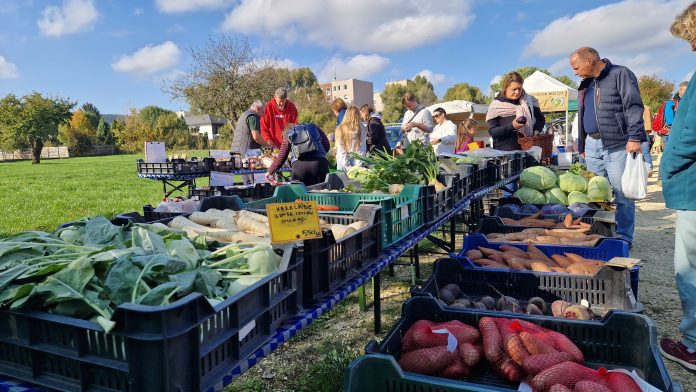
[(224, 78)]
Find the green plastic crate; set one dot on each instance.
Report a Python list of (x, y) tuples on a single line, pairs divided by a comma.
[(401, 214)]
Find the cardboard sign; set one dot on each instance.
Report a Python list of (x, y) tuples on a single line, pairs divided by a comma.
[(293, 221), (221, 179), (155, 152)]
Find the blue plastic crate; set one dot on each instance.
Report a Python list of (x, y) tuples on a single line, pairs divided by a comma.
[(605, 250)]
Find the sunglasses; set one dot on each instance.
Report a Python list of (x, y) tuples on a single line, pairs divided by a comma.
[(437, 114)]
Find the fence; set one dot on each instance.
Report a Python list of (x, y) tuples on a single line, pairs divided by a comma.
[(58, 152)]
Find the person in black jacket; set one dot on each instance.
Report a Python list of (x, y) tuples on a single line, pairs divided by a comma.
[(512, 112), (376, 134)]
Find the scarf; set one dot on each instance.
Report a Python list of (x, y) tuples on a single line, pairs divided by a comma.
[(525, 108)]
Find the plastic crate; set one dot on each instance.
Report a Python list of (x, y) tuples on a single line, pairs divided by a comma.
[(594, 209), (621, 340), (493, 224), (328, 263), (246, 192), (605, 250), (401, 214), (608, 289), (218, 202), (334, 181), (176, 166), (185, 346), (439, 203), (225, 166)]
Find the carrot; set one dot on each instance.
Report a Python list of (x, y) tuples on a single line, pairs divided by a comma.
[(323, 207)]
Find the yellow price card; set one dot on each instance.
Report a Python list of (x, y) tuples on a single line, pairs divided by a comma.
[(473, 146), (293, 221)]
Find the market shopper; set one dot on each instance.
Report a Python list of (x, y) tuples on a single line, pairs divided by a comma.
[(305, 145), (466, 134), (247, 134), (647, 145), (417, 123), (670, 110), (376, 133), (351, 138), (678, 171), (444, 134), (513, 112), (279, 112), (610, 125)]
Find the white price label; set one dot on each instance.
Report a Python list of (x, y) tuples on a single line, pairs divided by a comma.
[(221, 179)]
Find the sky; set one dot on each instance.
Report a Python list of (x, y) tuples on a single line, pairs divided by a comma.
[(117, 54)]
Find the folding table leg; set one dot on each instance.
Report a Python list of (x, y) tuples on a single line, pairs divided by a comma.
[(362, 305), (377, 303)]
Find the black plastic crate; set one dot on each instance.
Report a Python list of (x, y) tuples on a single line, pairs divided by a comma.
[(334, 182), (246, 192), (189, 345), (608, 289), (439, 203), (225, 166), (328, 263), (620, 340), (480, 177), (176, 166), (218, 202), (493, 224)]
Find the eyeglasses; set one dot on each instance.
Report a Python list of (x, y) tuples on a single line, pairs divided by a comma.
[(437, 114)]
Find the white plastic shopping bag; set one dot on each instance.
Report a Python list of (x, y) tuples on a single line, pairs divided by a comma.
[(634, 181)]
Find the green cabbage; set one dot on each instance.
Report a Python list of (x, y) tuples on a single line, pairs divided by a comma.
[(538, 177), (599, 189), (530, 196), (556, 196), (578, 197), (359, 174), (570, 182)]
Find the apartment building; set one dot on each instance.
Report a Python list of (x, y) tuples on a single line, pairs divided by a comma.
[(353, 91)]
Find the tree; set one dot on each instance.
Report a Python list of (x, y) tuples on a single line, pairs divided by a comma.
[(313, 108), (104, 135), (302, 77), (152, 123), (654, 91), (525, 72), (92, 113), (30, 121), (80, 120), (465, 92), (225, 77), (423, 89)]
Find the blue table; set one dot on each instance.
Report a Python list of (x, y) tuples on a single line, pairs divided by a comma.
[(307, 317)]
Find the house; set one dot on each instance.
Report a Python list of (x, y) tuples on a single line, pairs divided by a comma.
[(205, 124)]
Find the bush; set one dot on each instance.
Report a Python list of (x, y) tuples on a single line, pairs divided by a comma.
[(76, 140)]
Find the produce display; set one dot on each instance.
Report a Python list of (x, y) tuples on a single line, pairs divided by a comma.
[(244, 226), (454, 296), (535, 220), (388, 173), (540, 185), (88, 269), (533, 259), (573, 237), (516, 349)]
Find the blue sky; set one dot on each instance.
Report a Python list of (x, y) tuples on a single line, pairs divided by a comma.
[(116, 53)]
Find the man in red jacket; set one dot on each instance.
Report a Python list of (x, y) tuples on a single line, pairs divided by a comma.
[(279, 112)]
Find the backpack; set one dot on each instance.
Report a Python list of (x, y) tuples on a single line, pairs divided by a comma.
[(302, 142), (658, 122)]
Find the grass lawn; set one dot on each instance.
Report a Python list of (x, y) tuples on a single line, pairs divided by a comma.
[(41, 197)]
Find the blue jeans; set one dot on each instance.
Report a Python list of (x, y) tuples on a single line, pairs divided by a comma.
[(685, 269), (646, 153), (610, 164)]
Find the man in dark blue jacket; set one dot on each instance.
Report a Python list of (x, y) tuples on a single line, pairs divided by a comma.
[(610, 125)]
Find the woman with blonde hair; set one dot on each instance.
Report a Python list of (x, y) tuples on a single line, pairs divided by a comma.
[(678, 170), (351, 137)]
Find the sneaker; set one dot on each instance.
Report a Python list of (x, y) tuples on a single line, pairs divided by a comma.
[(677, 352)]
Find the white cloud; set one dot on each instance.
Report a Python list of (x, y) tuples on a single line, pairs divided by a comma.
[(629, 26), (7, 70), (285, 63), (173, 6), (357, 26), (73, 17), (434, 78), (358, 67), (149, 60)]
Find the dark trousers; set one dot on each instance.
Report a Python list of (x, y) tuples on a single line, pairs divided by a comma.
[(310, 172)]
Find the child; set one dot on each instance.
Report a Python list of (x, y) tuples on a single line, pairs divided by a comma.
[(466, 136)]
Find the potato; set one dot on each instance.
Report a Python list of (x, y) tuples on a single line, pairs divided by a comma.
[(559, 307), (474, 254)]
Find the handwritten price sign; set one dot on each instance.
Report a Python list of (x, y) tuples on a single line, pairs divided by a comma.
[(293, 221)]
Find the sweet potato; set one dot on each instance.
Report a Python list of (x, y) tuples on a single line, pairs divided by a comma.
[(536, 215), (559, 388), (536, 254), (559, 269), (455, 370), (562, 343), (591, 386), (490, 263), (535, 345), (429, 361), (566, 373), (474, 254), (462, 332), (469, 354), (535, 364), (492, 340), (567, 233), (568, 220), (508, 369), (562, 261), (488, 251), (574, 258), (515, 264), (509, 221), (619, 382), (515, 349), (497, 257), (514, 249), (540, 267), (546, 239), (582, 269), (534, 231)]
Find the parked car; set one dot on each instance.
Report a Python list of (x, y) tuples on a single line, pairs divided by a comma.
[(394, 134)]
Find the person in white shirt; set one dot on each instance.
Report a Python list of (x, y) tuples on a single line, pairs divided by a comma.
[(351, 137), (417, 122), (444, 134)]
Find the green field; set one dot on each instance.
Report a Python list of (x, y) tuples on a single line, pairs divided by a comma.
[(41, 197)]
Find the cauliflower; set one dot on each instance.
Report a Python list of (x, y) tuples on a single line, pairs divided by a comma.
[(359, 174)]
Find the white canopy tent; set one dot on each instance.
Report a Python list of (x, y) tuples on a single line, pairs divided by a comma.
[(460, 110), (552, 94)]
